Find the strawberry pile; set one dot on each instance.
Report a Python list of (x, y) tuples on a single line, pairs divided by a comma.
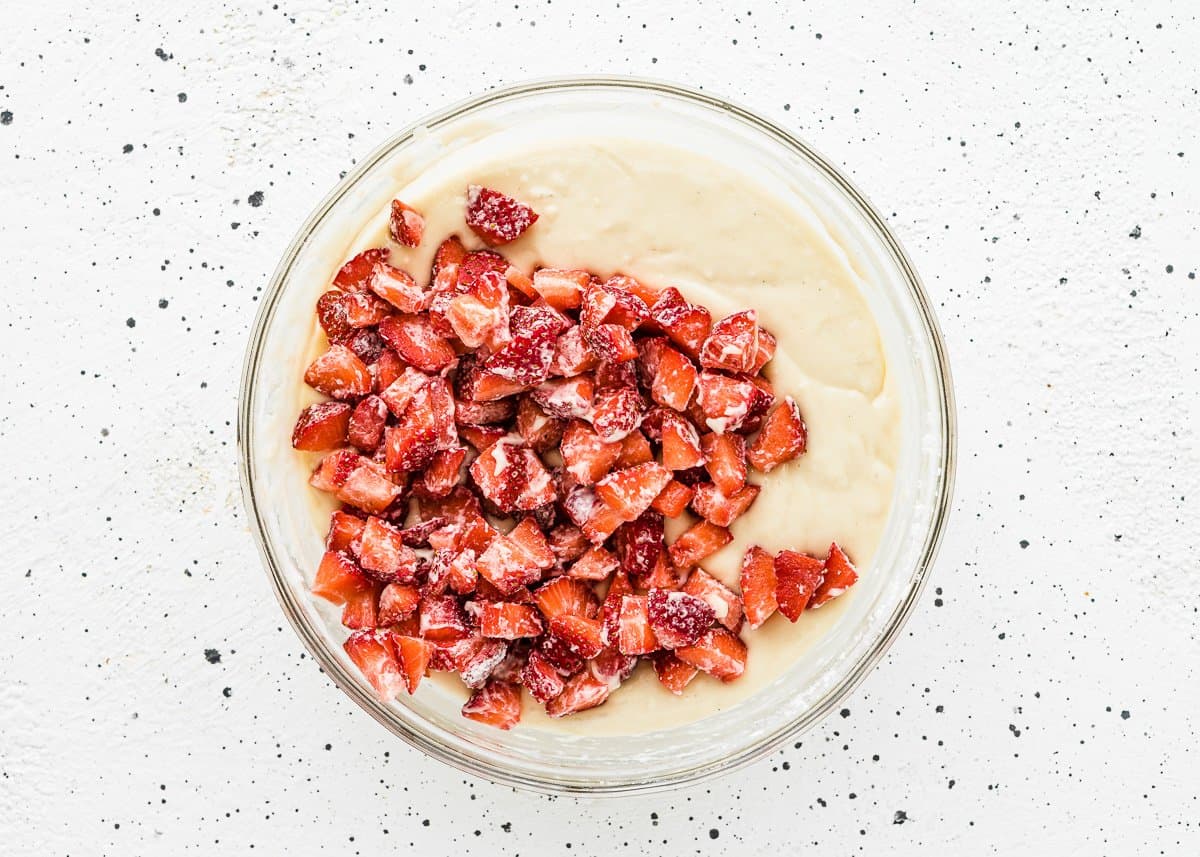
[(506, 446)]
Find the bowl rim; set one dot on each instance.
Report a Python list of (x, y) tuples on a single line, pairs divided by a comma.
[(482, 766)]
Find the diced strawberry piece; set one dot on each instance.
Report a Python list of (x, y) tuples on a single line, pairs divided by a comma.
[(617, 412), (587, 457), (339, 373), (686, 325), (507, 566), (797, 577), (441, 402), (415, 340), (366, 343), (663, 575), (334, 469), (448, 654), (572, 354), (354, 274), (712, 505), (634, 635), (462, 574), (580, 693), (674, 379), (406, 224), (724, 401), (365, 425), (680, 443), (612, 667), (595, 564), (372, 653), (631, 491), (383, 554), (610, 610), (483, 413), (677, 618), (579, 633), (726, 604), (541, 678), (562, 289), (449, 252), (368, 489), (611, 342), (578, 502), (442, 619), (673, 499), (321, 426), (417, 535), (363, 309), (509, 621), (559, 654), (442, 472), (603, 523), (413, 655), (386, 369), (674, 674), (540, 430), (480, 385), (783, 437), (840, 575), (497, 703), (400, 392), (565, 596), (477, 663), (566, 398), (359, 611), (514, 661), (410, 445), (475, 265), (606, 304), (459, 508), (526, 358), (344, 530), (639, 545), (480, 315), (567, 542), (766, 350), (647, 294), (398, 288), (496, 217), (725, 460), (398, 601), (758, 584), (635, 449), (719, 653), (481, 437), (733, 343), (511, 476), (331, 315), (520, 281)]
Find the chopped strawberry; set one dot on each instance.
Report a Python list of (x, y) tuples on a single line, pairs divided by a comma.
[(663, 575), (331, 315), (512, 476), (572, 354), (578, 502), (541, 678), (719, 653), (674, 379), (339, 373), (497, 703), (725, 460), (580, 693), (413, 655), (406, 224), (529, 536), (417, 535), (631, 491), (344, 530), (481, 314), (442, 473), (507, 565), (410, 445), (480, 385), (514, 661), (603, 523), (481, 437), (680, 443), (477, 663), (359, 611), (797, 577), (687, 325), (617, 412), (726, 604), (635, 449), (449, 252), (758, 584), (366, 343), (462, 574), (386, 369), (560, 288), (766, 350), (496, 217), (509, 621), (646, 294), (559, 654), (610, 610), (484, 413), (441, 618), (397, 601), (634, 635), (400, 392), (415, 340), (840, 575), (724, 401), (673, 499), (373, 654), (604, 304), (783, 437), (368, 489), (611, 342), (362, 309), (639, 545), (540, 430), (672, 672), (565, 596), (587, 457), (677, 618), (712, 505), (475, 265), (334, 469), (612, 667), (354, 274), (733, 343), (566, 398), (383, 554), (567, 542), (579, 633), (520, 281), (397, 288), (365, 425), (321, 426), (526, 358)]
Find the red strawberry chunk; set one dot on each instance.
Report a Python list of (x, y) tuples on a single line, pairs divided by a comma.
[(496, 217), (339, 373), (580, 693), (566, 398), (634, 635), (449, 252), (540, 430), (677, 618), (718, 653), (687, 325), (512, 477), (766, 350), (603, 304), (595, 564), (526, 358), (354, 275), (532, 540), (481, 437), (321, 426), (509, 621), (712, 505), (635, 449), (413, 337), (567, 542), (541, 678), (672, 672), (565, 596), (398, 601), (559, 654), (366, 343), (508, 566), (397, 288), (483, 413), (334, 469), (639, 545), (480, 315), (612, 667), (413, 655), (611, 342), (386, 369), (365, 426), (368, 489), (359, 610), (411, 443), (462, 573), (572, 354), (339, 578), (497, 703), (384, 555), (406, 224), (331, 315), (579, 503), (646, 294), (733, 343), (663, 575), (673, 499), (417, 535), (782, 438), (674, 379), (477, 663), (475, 265), (610, 610), (443, 472), (617, 412), (344, 530), (372, 652), (724, 401), (561, 289), (587, 457), (514, 661), (758, 584), (797, 577), (580, 634), (520, 281), (840, 575), (364, 310), (400, 392), (602, 524), (680, 443), (480, 385), (726, 604), (631, 491), (725, 460), (442, 619)]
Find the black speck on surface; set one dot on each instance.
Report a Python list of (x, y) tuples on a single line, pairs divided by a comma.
[(127, 148), (129, 322), (163, 55), (845, 712), (255, 199), (1136, 232), (713, 833), (1024, 543), (182, 97), (212, 656), (227, 692), (162, 303), (1124, 715), (408, 78), (900, 817), (6, 117)]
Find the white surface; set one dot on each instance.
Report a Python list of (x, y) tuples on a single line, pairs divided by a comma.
[(1014, 151)]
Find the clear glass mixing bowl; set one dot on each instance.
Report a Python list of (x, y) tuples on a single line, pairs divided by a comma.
[(280, 514)]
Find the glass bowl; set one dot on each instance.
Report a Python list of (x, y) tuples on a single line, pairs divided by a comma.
[(291, 538)]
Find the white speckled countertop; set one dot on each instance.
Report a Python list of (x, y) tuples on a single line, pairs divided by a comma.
[(1039, 162)]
